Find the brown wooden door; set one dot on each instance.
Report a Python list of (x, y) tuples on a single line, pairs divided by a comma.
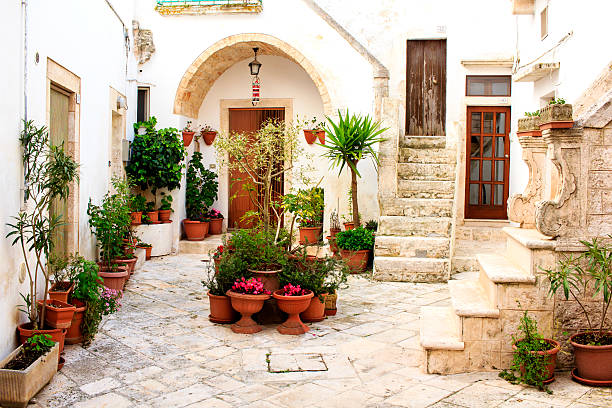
[(488, 162), (425, 87), (243, 194)]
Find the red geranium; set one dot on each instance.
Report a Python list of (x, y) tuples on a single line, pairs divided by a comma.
[(290, 290), (253, 286)]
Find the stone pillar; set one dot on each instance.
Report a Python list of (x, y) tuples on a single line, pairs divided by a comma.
[(521, 207)]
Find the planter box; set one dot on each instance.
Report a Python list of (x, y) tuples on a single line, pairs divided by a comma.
[(529, 126), (18, 387), (556, 117)]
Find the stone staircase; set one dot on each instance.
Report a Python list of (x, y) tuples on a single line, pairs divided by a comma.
[(474, 237), (415, 227), (475, 332)]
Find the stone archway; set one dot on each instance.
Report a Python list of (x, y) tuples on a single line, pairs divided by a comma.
[(216, 59)]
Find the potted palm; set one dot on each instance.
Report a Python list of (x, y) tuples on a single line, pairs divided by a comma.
[(247, 297), (48, 174), (355, 247), (201, 193), (576, 278)]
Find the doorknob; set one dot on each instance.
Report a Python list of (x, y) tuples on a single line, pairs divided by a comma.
[(506, 156)]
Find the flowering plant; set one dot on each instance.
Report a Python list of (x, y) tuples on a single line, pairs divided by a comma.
[(214, 214), (218, 253), (110, 300), (290, 290), (253, 286)]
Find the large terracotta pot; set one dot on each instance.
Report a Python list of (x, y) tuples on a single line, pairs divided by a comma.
[(208, 136), (57, 335), (164, 215), (153, 217), (293, 306), (74, 334), (246, 305), (136, 217), (130, 263), (215, 226), (62, 295), (221, 309), (195, 230), (113, 279), (552, 359), (593, 363), (315, 311), (330, 304), (58, 314), (309, 235), (357, 261), (187, 138), (268, 278)]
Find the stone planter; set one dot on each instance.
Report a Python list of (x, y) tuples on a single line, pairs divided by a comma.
[(246, 305), (593, 363), (357, 261), (59, 294), (556, 117), (529, 126), (293, 306), (17, 387)]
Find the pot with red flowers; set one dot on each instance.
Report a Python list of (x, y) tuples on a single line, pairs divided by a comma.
[(247, 297), (293, 300)]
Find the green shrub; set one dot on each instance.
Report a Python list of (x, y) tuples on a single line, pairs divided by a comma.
[(202, 187), (357, 239), (256, 248)]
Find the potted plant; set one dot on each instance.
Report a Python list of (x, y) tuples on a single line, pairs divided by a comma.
[(293, 300), (59, 314), (201, 193), (351, 140), (230, 269), (87, 286), (138, 206), (208, 134), (335, 280), (216, 257), (151, 213), (355, 246), (27, 370), (48, 174), (247, 297), (307, 207), (62, 286), (215, 226), (529, 125), (576, 278), (187, 134), (147, 247), (165, 209), (556, 115), (315, 129), (372, 225)]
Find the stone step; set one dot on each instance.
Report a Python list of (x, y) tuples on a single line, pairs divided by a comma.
[(204, 247), (440, 329), (426, 189), (421, 226), (423, 142), (403, 269), (412, 247), (479, 231), (467, 263), (470, 299), (425, 171), (410, 155), (417, 207), (499, 269), (520, 244)]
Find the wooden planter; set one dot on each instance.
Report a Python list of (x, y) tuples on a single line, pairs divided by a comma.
[(556, 117), (17, 387)]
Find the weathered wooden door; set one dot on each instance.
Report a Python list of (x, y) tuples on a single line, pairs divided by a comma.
[(243, 195), (426, 87), (488, 162)]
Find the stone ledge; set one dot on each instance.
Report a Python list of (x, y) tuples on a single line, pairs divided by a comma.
[(530, 238), (158, 235), (469, 299), (500, 269), (440, 330)]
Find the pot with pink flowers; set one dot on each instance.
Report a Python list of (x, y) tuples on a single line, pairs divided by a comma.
[(248, 297), (215, 225), (293, 300)]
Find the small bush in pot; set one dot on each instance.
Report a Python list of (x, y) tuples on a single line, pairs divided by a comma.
[(138, 206), (201, 193), (219, 283), (215, 222), (165, 208), (307, 206), (355, 247), (87, 290)]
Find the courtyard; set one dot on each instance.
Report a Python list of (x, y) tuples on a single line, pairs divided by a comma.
[(160, 350)]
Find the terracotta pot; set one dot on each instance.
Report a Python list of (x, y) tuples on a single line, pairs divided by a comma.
[(136, 217), (148, 252), (321, 136), (221, 309), (246, 305), (215, 226), (208, 136), (187, 138), (74, 334), (268, 278), (195, 230), (309, 235), (128, 249), (153, 217), (58, 314), (552, 359), (593, 363), (315, 311), (332, 244), (349, 226), (57, 335), (61, 363), (114, 279), (330, 304), (357, 261), (164, 215), (61, 295), (17, 387), (310, 136), (130, 263), (333, 232), (293, 306)]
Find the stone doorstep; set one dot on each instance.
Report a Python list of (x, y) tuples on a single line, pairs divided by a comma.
[(499, 269), (470, 299), (209, 244), (440, 329), (425, 171), (423, 142), (433, 189)]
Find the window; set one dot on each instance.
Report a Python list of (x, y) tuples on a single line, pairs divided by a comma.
[(544, 23), (142, 110), (487, 85)]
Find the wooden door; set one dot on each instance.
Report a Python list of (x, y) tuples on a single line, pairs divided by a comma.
[(426, 87), (58, 133), (488, 162), (243, 195)]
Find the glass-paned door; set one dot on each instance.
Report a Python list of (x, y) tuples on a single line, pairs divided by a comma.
[(488, 162)]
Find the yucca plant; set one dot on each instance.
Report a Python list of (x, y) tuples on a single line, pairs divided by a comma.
[(350, 140)]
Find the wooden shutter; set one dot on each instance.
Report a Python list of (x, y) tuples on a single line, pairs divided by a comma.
[(426, 87)]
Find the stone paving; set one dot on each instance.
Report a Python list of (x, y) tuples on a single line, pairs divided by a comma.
[(160, 350)]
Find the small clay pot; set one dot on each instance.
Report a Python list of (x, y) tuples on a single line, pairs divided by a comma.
[(315, 311), (309, 235), (333, 232), (113, 279), (74, 334), (164, 215), (552, 359), (61, 295), (246, 305), (293, 306), (349, 226), (215, 226), (593, 363), (58, 314), (136, 217), (310, 136), (187, 138), (221, 309), (357, 261), (153, 217)]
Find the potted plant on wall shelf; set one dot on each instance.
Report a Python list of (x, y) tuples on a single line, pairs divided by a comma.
[(200, 194), (208, 134), (187, 134), (247, 297), (165, 209), (576, 278), (48, 174), (316, 129), (138, 206), (355, 247)]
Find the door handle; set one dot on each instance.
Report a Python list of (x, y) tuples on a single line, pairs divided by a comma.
[(506, 156)]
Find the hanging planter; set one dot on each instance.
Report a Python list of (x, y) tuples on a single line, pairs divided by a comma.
[(208, 136), (187, 134), (310, 136)]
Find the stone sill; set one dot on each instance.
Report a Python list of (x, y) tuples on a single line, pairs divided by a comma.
[(207, 9)]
